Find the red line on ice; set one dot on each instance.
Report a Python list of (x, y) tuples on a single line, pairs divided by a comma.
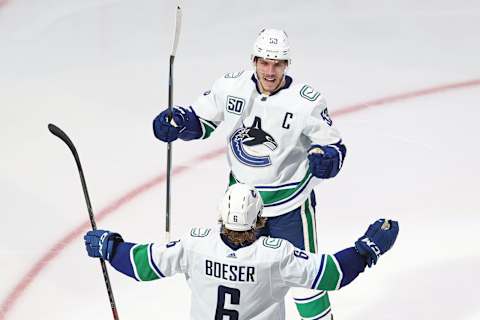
[(57, 248), (406, 96)]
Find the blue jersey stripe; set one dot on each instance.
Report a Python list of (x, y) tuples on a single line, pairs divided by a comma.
[(152, 263), (320, 269)]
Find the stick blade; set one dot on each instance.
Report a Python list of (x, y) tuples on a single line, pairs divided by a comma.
[(178, 27), (56, 131)]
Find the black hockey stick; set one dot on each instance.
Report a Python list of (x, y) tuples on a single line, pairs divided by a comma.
[(178, 25), (63, 136)]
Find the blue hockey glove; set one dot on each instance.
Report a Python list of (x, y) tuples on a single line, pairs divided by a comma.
[(101, 243), (378, 239), (184, 124), (326, 161)]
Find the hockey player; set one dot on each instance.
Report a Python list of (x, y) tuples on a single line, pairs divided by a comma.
[(232, 274), (280, 140)]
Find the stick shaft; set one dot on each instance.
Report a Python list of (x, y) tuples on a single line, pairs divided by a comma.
[(178, 24), (64, 137)]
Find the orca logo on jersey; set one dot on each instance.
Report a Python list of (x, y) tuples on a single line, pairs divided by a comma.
[(252, 146)]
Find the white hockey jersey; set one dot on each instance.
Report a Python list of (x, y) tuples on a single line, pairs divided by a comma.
[(268, 136), (247, 283)]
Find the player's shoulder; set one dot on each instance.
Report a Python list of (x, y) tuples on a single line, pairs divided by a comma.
[(272, 244), (199, 237), (277, 250), (233, 79), (236, 76), (200, 233), (305, 94), (274, 249)]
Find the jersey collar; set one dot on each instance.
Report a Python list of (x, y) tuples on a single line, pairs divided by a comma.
[(232, 245), (288, 82)]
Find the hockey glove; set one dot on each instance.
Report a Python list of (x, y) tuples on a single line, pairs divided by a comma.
[(378, 239), (326, 161), (184, 124), (101, 243)]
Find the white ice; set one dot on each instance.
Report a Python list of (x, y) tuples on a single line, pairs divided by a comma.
[(99, 70)]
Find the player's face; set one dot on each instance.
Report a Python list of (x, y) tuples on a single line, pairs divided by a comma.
[(270, 73)]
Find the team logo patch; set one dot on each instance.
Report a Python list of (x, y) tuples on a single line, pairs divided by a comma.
[(309, 93), (273, 243), (235, 105), (252, 146), (326, 117), (199, 232)]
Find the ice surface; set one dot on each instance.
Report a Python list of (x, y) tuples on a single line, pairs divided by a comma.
[(99, 70)]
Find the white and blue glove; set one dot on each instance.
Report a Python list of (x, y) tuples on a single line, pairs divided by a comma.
[(183, 123), (378, 239), (326, 161), (101, 243)]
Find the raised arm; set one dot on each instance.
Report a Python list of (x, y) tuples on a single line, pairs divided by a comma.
[(143, 262), (332, 272)]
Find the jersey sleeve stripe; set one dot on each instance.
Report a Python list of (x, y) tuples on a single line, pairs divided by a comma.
[(340, 277), (132, 261), (331, 275), (207, 128), (320, 271), (153, 265), (141, 262)]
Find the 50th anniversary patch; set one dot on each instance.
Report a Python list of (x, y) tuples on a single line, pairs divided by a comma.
[(235, 104)]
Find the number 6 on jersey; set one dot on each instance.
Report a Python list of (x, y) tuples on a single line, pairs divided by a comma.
[(234, 299)]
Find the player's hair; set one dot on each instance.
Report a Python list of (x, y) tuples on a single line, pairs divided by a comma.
[(244, 237)]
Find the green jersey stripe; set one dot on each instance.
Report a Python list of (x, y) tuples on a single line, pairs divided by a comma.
[(278, 195), (144, 271), (311, 228), (331, 276), (313, 308), (207, 128)]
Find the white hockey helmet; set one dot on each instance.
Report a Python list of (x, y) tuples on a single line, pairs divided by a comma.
[(272, 44), (240, 207)]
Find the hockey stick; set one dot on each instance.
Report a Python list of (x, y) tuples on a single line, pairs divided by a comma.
[(178, 25), (63, 136)]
